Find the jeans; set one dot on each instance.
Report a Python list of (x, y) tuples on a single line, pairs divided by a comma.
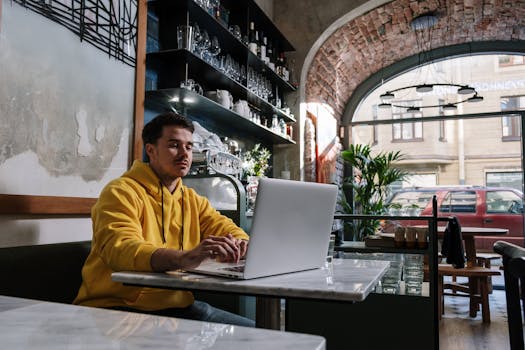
[(199, 311)]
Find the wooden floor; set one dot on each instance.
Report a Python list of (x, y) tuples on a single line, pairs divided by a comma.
[(458, 331)]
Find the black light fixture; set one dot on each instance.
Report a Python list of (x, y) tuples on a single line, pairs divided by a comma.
[(387, 96), (449, 107), (465, 90), (475, 98), (424, 88), (421, 88)]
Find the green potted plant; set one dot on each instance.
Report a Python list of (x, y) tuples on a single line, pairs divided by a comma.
[(373, 173), (255, 164)]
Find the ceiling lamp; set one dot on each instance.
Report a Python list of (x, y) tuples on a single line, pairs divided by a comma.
[(450, 107), (387, 96), (424, 88), (475, 98), (465, 90), (424, 21), (462, 90)]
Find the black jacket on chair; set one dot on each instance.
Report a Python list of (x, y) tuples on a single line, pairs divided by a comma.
[(452, 247)]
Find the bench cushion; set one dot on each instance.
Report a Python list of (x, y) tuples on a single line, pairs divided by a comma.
[(50, 272)]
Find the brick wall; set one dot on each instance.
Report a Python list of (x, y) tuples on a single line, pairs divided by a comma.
[(383, 36)]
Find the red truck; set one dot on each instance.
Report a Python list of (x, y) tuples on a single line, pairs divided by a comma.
[(474, 206)]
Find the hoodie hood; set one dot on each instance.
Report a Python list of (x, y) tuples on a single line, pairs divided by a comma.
[(143, 174)]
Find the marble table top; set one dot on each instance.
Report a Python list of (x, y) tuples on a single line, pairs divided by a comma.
[(343, 280), (30, 324)]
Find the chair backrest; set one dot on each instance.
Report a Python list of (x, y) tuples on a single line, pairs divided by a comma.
[(514, 270)]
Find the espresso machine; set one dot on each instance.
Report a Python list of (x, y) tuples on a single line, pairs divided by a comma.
[(214, 174)]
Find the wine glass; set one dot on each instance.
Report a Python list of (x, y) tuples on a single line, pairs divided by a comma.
[(197, 37), (215, 49), (204, 44)]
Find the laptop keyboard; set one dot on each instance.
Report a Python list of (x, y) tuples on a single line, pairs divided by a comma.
[(239, 268)]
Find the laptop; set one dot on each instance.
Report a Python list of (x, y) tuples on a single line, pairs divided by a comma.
[(290, 232)]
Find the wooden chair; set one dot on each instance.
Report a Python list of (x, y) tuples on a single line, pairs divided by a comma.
[(477, 289), (514, 272), (483, 260)]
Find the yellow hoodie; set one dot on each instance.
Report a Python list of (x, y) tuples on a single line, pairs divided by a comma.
[(128, 228)]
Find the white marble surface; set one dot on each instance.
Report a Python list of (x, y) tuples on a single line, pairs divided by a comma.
[(29, 324), (345, 280)]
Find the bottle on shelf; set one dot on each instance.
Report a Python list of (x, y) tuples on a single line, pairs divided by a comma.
[(282, 127), (252, 40), (275, 124), (263, 47), (284, 69), (289, 130), (258, 41), (270, 56)]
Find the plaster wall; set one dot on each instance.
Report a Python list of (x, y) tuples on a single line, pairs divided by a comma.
[(266, 6)]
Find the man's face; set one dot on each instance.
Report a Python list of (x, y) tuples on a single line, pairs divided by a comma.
[(171, 156)]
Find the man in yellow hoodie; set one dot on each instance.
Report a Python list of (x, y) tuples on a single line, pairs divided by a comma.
[(147, 220)]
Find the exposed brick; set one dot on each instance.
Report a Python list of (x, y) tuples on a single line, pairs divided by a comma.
[(383, 36)]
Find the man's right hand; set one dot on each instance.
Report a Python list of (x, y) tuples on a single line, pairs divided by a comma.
[(223, 248)]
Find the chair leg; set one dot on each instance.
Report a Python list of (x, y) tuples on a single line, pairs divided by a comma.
[(485, 307), (473, 287)]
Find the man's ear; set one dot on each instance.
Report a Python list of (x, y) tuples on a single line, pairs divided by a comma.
[(149, 148)]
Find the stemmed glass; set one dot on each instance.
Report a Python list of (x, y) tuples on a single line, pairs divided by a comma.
[(215, 49), (204, 45), (197, 37)]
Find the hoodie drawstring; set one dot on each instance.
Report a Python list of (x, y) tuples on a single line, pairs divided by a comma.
[(181, 242), (162, 210)]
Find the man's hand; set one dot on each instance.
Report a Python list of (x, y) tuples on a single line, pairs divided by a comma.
[(223, 248)]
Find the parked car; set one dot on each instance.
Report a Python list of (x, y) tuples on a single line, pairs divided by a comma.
[(474, 206)]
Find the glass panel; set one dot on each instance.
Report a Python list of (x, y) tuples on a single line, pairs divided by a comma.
[(459, 202), (503, 202)]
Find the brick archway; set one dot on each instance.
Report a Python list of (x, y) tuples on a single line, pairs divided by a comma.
[(381, 37)]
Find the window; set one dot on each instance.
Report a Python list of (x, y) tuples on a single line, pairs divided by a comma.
[(408, 198), (412, 131), (512, 179), (511, 124), (506, 202), (459, 202), (507, 60)]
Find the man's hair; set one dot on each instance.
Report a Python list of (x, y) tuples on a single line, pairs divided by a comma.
[(153, 130)]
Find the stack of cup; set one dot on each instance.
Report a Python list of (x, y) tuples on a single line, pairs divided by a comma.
[(410, 236), (422, 237), (413, 273), (392, 278), (399, 237)]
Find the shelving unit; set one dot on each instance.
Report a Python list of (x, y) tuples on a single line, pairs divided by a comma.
[(172, 65)]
